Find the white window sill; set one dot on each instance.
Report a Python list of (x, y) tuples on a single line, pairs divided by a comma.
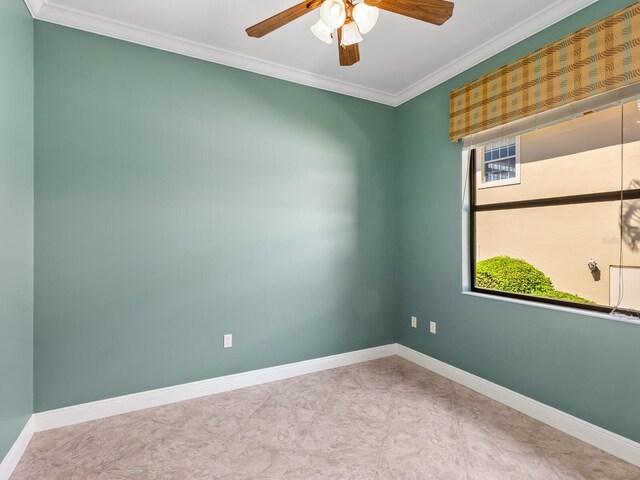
[(557, 308)]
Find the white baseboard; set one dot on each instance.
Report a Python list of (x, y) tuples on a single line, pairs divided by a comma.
[(153, 398), (608, 441), (14, 455), (599, 437)]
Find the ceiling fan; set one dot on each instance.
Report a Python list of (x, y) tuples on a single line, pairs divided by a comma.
[(351, 20)]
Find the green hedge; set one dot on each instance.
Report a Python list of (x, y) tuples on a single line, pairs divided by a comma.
[(517, 276), (567, 297)]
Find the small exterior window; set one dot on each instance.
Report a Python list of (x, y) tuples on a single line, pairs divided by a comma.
[(500, 163)]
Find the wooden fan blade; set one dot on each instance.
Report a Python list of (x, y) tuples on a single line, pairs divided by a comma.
[(282, 18), (349, 54), (431, 11)]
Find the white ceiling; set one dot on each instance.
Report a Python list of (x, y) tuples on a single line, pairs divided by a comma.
[(400, 58)]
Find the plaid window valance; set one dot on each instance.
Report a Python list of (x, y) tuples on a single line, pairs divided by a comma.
[(596, 59)]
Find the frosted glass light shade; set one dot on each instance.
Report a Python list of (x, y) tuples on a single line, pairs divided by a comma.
[(365, 16), (322, 31), (350, 34), (333, 13)]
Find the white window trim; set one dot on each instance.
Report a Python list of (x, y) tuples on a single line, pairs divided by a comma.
[(480, 181), (466, 267)]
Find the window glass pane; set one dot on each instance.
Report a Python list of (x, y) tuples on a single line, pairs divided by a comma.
[(505, 168), (631, 146), (498, 163), (576, 157), (546, 252)]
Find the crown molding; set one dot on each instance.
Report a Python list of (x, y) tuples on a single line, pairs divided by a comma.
[(554, 13), (68, 17), (34, 6)]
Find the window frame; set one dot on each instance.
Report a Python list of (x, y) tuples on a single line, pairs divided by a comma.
[(482, 183), (472, 209)]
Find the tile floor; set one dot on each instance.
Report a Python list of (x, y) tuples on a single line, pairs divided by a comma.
[(382, 420)]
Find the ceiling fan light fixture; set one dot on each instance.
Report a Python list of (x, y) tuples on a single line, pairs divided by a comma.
[(351, 19), (322, 31), (350, 34), (333, 13), (365, 16)]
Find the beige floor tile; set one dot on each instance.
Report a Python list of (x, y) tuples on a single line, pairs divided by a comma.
[(274, 425), (317, 467), (383, 471), (489, 458), (248, 459), (368, 404), (423, 450), (423, 380), (172, 452), (244, 400), (223, 420), (370, 375), (219, 414), (47, 468), (589, 463), (44, 442), (305, 395), (388, 419), (100, 447), (412, 407), (352, 441)]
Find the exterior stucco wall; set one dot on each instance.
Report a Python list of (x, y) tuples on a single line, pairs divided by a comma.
[(577, 157)]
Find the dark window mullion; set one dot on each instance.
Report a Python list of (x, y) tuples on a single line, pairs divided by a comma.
[(613, 196)]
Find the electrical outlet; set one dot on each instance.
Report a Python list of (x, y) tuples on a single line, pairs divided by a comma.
[(228, 341), (432, 327), (414, 322)]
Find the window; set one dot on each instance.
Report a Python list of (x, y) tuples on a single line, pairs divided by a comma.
[(568, 231), (500, 163)]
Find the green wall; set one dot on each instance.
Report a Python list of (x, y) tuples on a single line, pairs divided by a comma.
[(582, 365), (16, 220), (179, 200)]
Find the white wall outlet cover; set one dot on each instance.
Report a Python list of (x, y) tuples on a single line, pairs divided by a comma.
[(432, 327), (414, 322), (228, 341)]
